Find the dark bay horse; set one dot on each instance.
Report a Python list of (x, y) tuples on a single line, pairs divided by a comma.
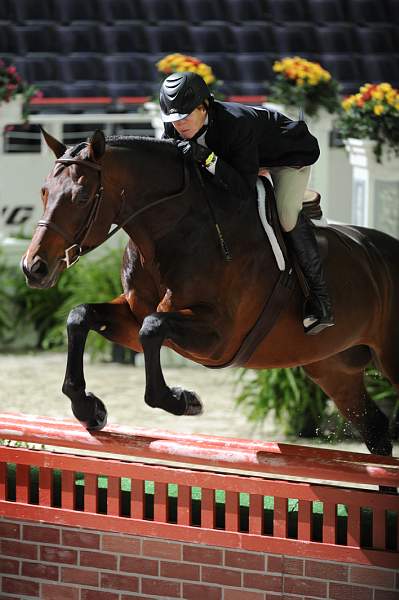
[(179, 292)]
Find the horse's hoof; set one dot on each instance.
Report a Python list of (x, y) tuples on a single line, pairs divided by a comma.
[(98, 413), (381, 448), (193, 404)]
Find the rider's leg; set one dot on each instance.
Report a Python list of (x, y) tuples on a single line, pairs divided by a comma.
[(290, 185)]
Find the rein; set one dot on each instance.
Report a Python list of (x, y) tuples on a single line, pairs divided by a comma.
[(76, 249)]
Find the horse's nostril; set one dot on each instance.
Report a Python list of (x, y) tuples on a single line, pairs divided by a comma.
[(39, 268)]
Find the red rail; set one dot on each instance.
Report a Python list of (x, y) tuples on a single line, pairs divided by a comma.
[(277, 516)]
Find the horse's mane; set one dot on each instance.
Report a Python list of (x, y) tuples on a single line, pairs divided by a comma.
[(133, 142)]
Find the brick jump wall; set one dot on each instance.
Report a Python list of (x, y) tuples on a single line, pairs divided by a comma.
[(46, 562)]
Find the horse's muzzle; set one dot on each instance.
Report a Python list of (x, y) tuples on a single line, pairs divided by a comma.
[(37, 273)]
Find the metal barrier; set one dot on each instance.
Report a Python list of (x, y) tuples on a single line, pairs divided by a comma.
[(229, 496)]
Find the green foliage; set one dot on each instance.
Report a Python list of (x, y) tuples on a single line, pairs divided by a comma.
[(298, 405), (295, 402), (43, 313)]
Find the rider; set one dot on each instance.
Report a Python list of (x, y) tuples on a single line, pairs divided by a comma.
[(233, 141)]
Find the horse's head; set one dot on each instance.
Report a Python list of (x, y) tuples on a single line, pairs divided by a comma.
[(71, 196)]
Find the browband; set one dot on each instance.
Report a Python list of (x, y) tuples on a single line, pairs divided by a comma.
[(79, 161)]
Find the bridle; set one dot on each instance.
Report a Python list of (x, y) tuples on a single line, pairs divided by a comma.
[(77, 248)]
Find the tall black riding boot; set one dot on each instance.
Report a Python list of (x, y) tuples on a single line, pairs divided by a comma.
[(317, 310)]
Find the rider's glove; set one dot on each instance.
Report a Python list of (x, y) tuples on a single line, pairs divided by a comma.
[(192, 150)]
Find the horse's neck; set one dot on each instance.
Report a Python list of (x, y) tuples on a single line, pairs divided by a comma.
[(146, 178)]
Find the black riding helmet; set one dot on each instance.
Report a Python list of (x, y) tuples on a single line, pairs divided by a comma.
[(180, 94)]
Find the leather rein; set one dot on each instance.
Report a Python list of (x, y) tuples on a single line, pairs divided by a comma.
[(76, 248)]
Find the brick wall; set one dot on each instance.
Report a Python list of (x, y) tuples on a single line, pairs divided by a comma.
[(65, 563)]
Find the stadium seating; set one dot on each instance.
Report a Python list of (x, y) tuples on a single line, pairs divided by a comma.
[(286, 11), (253, 37), (198, 11), (327, 11), (124, 38), (336, 37), (71, 46)]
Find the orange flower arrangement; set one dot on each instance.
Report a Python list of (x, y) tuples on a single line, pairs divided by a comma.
[(177, 62), (300, 82), (373, 113)]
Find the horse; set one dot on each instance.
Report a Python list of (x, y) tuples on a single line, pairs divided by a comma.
[(179, 291)]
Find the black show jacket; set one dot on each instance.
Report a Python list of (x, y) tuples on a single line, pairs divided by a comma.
[(245, 138)]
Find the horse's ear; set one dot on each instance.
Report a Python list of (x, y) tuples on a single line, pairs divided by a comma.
[(97, 144), (57, 147)]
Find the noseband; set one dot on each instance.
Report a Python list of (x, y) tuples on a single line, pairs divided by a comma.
[(76, 250)]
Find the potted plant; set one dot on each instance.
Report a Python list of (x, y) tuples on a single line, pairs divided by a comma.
[(302, 83), (370, 127), (15, 94), (373, 115)]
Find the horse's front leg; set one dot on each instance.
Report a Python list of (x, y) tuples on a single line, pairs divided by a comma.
[(116, 323), (192, 335)]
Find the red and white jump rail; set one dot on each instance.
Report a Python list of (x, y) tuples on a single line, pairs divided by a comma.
[(258, 466)]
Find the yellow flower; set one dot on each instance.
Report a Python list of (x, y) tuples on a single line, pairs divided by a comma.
[(377, 94), (301, 70), (378, 109), (347, 103), (385, 87)]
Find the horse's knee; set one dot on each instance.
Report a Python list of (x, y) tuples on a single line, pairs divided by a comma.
[(152, 329), (79, 318)]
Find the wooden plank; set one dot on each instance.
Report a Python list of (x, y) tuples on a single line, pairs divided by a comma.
[(184, 505), (45, 486), (305, 520), (90, 493), (114, 496), (68, 490), (232, 514), (379, 529), (227, 482), (329, 523), (207, 508), (3, 481), (161, 502), (256, 456), (255, 514), (280, 519), (137, 499), (353, 526), (22, 483)]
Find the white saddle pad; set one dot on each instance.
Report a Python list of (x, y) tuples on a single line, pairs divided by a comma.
[(309, 196), (268, 229)]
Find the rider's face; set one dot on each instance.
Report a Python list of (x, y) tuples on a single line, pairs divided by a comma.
[(189, 126)]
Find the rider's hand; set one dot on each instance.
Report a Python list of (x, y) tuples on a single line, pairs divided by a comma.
[(192, 150)]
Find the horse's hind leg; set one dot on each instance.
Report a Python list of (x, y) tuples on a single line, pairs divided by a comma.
[(114, 321), (387, 361), (342, 378)]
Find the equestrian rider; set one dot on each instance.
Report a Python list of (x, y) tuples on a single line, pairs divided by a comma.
[(233, 141)]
